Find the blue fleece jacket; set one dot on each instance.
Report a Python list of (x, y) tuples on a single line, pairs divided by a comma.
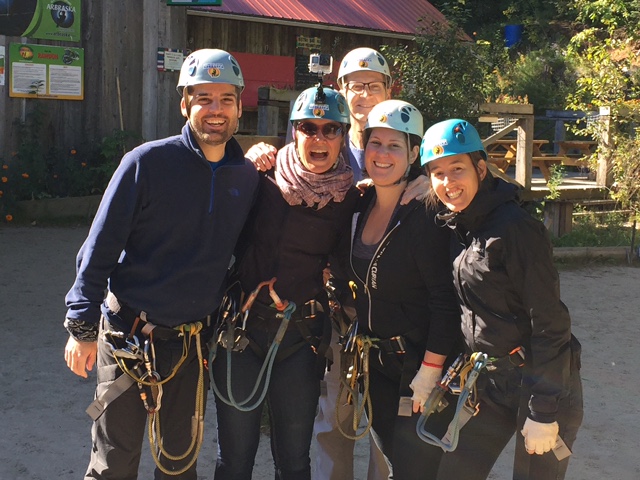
[(165, 231)]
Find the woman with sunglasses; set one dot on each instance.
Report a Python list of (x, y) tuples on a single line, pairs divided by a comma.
[(509, 293), (301, 216), (403, 290)]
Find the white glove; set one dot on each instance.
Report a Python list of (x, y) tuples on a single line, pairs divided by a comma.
[(539, 437), (422, 384)]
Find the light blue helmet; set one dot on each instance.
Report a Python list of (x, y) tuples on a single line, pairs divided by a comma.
[(450, 137), (320, 103), (396, 115), (210, 65)]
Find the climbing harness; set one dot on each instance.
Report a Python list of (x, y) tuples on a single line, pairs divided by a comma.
[(138, 362), (356, 350), (465, 371), (233, 338)]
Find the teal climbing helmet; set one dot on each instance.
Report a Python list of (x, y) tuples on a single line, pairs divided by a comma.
[(450, 137), (210, 65), (320, 103)]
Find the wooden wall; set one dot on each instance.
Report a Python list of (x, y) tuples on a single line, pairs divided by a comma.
[(271, 39), (116, 43), (120, 40)]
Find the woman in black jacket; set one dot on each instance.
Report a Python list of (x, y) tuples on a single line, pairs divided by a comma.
[(302, 212), (510, 298), (404, 296)]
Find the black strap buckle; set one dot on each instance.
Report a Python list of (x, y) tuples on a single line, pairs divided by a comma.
[(392, 345)]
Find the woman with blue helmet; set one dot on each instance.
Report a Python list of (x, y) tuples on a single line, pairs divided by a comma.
[(509, 293), (301, 216), (403, 292)]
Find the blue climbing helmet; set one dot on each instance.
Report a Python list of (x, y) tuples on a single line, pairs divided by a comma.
[(320, 103), (450, 137)]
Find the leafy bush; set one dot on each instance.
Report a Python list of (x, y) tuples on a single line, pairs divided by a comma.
[(33, 172)]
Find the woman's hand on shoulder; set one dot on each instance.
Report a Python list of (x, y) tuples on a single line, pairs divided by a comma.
[(417, 188), (263, 156)]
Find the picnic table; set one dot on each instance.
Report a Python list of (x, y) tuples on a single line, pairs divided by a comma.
[(576, 148), (502, 153)]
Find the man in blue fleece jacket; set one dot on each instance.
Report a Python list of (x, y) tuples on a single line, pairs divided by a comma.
[(160, 245)]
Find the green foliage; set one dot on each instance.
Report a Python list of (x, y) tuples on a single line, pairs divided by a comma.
[(35, 172), (596, 230), (555, 180), (626, 173), (545, 21), (544, 76), (605, 54), (443, 77)]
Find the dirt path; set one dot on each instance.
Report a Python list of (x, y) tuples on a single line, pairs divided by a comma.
[(44, 432)]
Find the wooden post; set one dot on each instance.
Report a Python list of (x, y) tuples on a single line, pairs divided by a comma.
[(149, 93), (604, 177), (270, 102), (524, 151), (558, 217), (267, 113)]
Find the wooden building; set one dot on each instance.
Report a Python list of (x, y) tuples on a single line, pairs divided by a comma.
[(125, 90)]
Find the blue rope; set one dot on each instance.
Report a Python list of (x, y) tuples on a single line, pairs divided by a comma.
[(266, 366)]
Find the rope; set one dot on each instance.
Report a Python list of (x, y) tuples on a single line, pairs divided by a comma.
[(267, 366), (187, 331), (285, 310), (197, 427), (363, 344)]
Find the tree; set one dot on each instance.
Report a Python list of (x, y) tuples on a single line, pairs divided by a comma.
[(605, 54), (444, 77)]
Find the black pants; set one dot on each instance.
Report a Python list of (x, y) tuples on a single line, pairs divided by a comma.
[(409, 457), (118, 434), (503, 411)]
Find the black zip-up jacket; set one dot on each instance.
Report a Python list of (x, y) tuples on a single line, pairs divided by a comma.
[(509, 291), (291, 243), (408, 289)]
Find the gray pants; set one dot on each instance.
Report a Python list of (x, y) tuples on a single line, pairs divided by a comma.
[(118, 434), (334, 456)]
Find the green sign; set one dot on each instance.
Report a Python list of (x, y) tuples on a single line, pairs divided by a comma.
[(56, 20), (45, 19), (45, 71), (196, 3)]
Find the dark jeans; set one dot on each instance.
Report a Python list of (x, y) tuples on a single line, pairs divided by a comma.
[(409, 456), (292, 399), (118, 434), (503, 412)]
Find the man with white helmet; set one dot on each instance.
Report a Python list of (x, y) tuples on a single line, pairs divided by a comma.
[(364, 80), (160, 243)]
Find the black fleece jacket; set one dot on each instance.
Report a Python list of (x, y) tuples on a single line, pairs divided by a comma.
[(407, 290), (509, 291)]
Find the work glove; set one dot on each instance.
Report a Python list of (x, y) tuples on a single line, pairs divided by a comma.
[(539, 437), (422, 384)]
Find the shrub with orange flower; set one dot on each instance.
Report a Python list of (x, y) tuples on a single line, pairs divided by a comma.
[(5, 179), (8, 217), (25, 175)]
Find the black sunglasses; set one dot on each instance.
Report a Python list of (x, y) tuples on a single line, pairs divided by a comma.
[(330, 131)]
